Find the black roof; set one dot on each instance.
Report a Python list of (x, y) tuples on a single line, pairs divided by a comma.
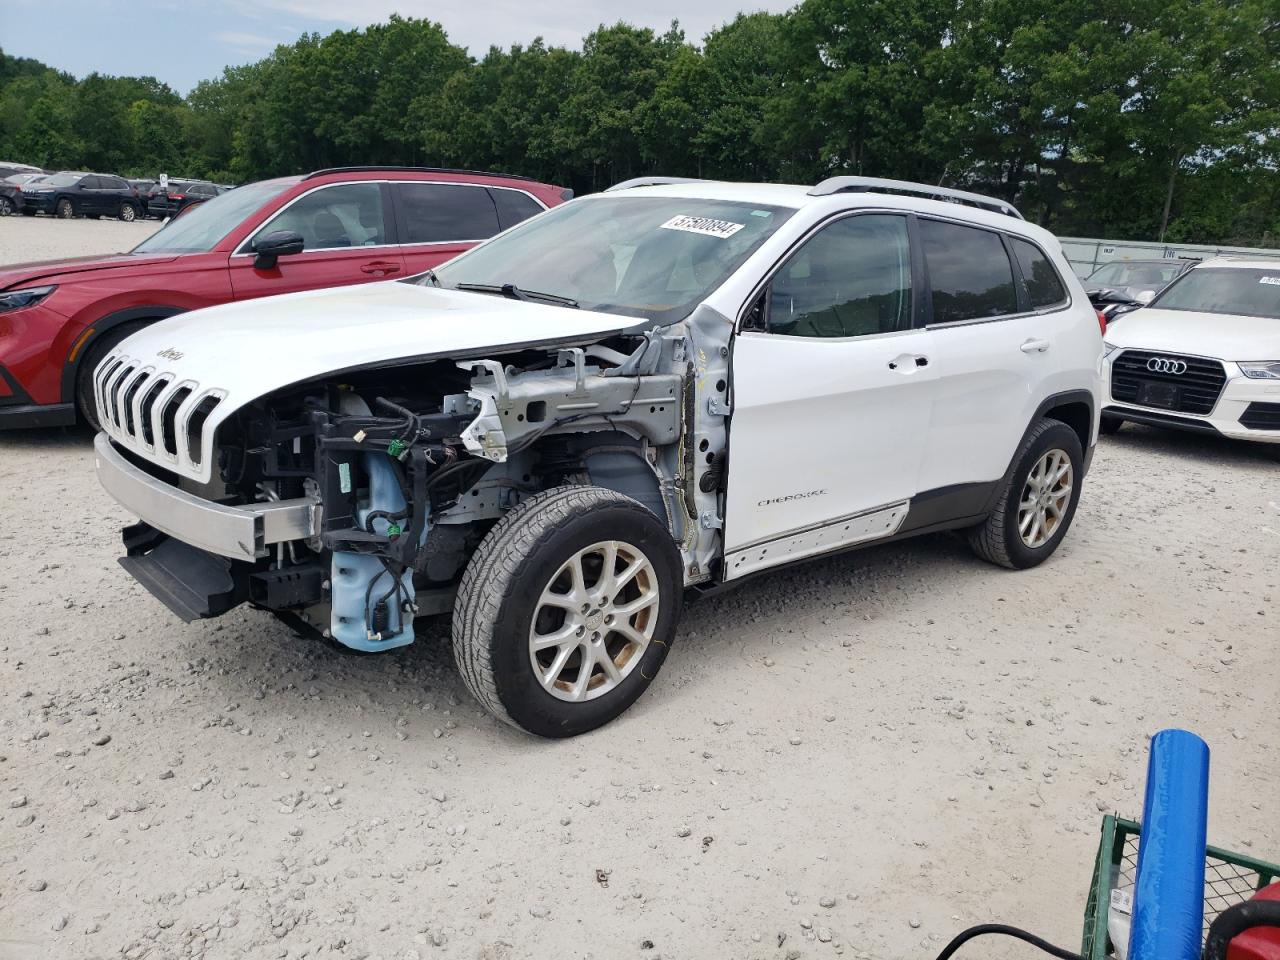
[(395, 169)]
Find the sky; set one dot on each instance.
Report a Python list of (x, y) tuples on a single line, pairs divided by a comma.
[(183, 43)]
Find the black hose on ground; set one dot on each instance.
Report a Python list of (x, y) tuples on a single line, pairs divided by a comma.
[(965, 936)]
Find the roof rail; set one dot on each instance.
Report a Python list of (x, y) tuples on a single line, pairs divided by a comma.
[(374, 168), (877, 185), (652, 182)]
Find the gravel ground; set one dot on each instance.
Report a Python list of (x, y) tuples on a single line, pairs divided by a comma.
[(26, 239), (857, 757)]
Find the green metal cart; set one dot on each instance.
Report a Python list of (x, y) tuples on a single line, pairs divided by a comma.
[(1229, 878)]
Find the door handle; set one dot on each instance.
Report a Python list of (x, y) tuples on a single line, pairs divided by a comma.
[(380, 267), (909, 361), (1034, 346)]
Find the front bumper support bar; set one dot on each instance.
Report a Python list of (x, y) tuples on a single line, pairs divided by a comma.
[(240, 532)]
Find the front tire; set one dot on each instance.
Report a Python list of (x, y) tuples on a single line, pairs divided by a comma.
[(1038, 502), (96, 353), (6, 206), (567, 609), (64, 209)]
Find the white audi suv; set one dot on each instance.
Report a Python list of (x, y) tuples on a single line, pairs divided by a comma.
[(1204, 355)]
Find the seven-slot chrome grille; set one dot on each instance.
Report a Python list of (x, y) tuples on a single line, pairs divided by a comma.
[(156, 414), (1167, 381)]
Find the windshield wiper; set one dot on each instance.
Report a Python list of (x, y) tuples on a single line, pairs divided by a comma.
[(512, 292)]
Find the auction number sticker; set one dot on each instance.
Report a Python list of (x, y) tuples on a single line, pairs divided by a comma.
[(703, 225), (1272, 280)]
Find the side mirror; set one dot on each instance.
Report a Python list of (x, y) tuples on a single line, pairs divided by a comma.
[(1108, 295), (276, 244)]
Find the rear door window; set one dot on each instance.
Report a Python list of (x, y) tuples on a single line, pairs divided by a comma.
[(444, 212), (970, 275), (513, 206), (1044, 286)]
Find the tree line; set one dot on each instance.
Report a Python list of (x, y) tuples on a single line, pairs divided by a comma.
[(1129, 119)]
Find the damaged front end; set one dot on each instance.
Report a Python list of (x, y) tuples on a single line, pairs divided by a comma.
[(351, 503)]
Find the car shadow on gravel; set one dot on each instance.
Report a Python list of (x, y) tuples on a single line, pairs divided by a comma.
[(744, 622), (52, 438), (1179, 443)]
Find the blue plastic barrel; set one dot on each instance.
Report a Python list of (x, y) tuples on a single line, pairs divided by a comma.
[(1168, 899)]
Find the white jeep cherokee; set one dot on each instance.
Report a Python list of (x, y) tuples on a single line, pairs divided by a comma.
[(668, 385)]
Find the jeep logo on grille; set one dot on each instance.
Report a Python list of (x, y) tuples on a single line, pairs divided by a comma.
[(168, 353), (1167, 365)]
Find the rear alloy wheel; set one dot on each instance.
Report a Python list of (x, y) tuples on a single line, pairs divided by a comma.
[(1045, 498), (1038, 501), (567, 609), (64, 209), (6, 206), (128, 213)]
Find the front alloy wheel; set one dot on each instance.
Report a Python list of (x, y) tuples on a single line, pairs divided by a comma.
[(594, 621), (567, 609), (65, 210)]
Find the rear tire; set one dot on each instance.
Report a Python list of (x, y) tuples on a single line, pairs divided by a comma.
[(64, 209), (1035, 508), (528, 650), (128, 212), (96, 353), (6, 206)]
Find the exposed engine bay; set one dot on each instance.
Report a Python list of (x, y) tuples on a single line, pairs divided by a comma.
[(406, 468)]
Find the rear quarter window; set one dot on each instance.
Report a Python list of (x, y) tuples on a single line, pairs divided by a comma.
[(513, 206), (1044, 286)]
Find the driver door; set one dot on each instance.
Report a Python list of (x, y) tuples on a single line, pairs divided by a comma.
[(832, 393), (346, 239)]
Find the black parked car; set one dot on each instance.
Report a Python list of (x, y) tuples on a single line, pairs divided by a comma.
[(181, 194), (10, 197), (8, 169), (11, 191), (68, 195)]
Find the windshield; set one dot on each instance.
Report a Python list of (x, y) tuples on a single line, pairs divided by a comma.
[(63, 179), (656, 257), (207, 223), (1244, 292), (1137, 274)]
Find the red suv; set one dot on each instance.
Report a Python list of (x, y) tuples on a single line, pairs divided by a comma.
[(326, 229)]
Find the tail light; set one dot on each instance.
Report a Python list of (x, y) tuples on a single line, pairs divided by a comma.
[(1102, 321), (183, 196)]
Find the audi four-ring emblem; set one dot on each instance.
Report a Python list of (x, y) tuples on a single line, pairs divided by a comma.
[(1167, 365)]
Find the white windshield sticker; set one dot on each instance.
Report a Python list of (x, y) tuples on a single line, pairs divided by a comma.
[(1275, 280), (703, 225)]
